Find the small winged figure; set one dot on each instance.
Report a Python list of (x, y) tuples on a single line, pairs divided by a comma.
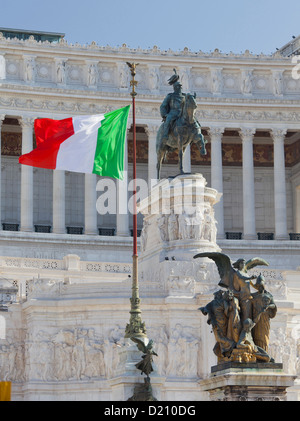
[(146, 346), (235, 277), (132, 67)]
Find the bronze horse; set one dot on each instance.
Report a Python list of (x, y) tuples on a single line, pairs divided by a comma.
[(185, 130)]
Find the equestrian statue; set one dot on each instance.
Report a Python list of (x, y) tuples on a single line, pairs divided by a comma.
[(180, 126)]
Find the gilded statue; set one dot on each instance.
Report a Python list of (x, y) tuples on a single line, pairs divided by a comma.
[(264, 309), (240, 318), (180, 126)]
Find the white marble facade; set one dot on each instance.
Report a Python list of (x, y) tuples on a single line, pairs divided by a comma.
[(60, 340)]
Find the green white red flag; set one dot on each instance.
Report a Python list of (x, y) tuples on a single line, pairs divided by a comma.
[(87, 144)]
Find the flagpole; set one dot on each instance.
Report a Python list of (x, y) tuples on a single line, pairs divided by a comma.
[(136, 328)]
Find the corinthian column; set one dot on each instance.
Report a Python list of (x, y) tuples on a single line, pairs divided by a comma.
[(2, 117), (59, 218), (90, 211), (278, 136), (27, 177), (248, 184), (187, 165), (151, 131), (122, 219), (217, 174)]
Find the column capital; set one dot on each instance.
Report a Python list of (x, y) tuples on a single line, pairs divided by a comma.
[(247, 133), (2, 117), (26, 122), (278, 134), (216, 132), (152, 128)]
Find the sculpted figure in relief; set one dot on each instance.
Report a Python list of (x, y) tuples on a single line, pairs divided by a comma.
[(247, 82), (153, 78), (92, 75), (29, 70), (172, 227), (74, 354), (60, 72), (162, 224)]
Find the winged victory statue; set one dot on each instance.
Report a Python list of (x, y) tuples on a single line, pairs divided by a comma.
[(240, 318)]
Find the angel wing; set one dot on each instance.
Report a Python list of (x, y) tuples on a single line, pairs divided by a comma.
[(141, 343), (255, 261), (224, 266)]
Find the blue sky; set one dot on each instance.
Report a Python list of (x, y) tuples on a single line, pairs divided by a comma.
[(230, 25)]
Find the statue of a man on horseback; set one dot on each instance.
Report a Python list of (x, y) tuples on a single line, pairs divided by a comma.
[(172, 105), (180, 127)]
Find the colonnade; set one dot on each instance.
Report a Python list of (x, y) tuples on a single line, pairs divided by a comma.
[(122, 220)]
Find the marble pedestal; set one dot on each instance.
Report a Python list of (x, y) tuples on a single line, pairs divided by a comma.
[(247, 382), (179, 222), (179, 219)]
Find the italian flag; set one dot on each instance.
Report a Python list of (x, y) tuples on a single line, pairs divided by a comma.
[(87, 144)]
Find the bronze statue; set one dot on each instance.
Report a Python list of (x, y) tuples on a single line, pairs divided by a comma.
[(263, 309), (246, 341), (234, 276), (240, 318), (217, 311), (179, 127), (145, 365)]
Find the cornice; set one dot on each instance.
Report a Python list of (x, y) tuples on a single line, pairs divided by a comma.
[(232, 115), (48, 92), (155, 53)]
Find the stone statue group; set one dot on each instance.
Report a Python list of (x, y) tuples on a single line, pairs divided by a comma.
[(240, 319)]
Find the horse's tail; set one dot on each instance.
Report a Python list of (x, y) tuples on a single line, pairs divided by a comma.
[(159, 137), (203, 143)]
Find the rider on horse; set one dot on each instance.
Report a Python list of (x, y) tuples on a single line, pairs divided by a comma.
[(172, 106), (171, 109), (180, 127)]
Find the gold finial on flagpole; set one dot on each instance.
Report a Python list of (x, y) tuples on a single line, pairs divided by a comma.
[(133, 82)]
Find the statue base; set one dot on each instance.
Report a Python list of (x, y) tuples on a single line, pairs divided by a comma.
[(234, 381), (128, 383), (246, 366), (143, 392)]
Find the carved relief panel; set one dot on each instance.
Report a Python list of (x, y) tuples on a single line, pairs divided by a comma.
[(44, 71), (13, 67)]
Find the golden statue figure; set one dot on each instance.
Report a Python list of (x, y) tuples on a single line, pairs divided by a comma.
[(263, 309)]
